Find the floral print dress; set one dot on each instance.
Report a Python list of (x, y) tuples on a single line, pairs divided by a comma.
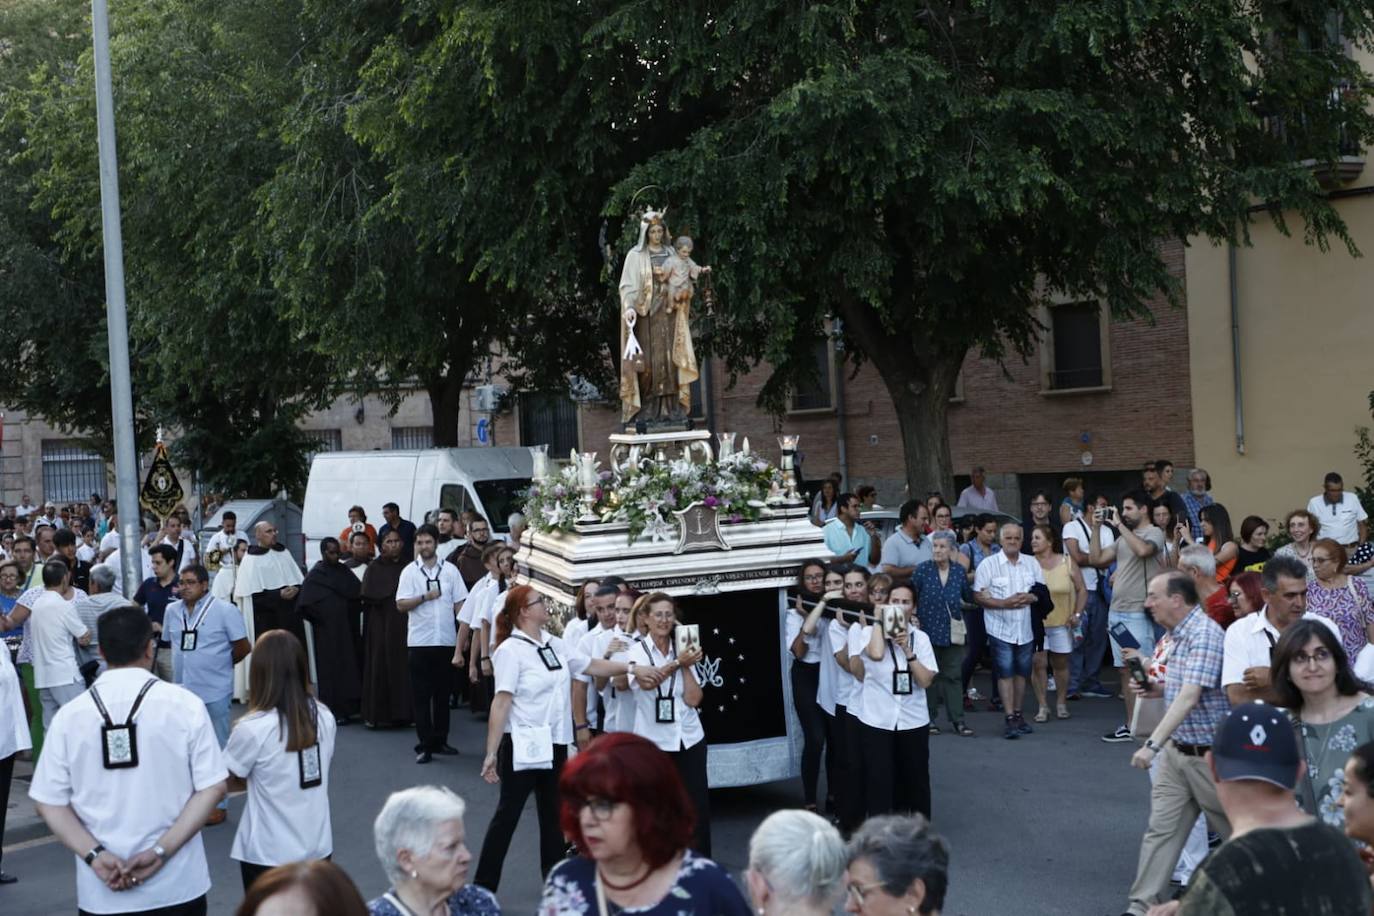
[(1349, 607), (702, 888), (1327, 748)]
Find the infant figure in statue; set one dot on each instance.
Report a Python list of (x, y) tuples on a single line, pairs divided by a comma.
[(681, 272)]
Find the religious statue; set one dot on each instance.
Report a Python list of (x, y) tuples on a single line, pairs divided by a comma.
[(658, 364)]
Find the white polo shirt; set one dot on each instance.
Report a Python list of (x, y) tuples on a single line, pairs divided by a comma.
[(846, 686), (620, 710), (432, 622), (52, 628), (1340, 522), (475, 601), (1249, 642), (685, 730), (129, 810), (281, 822), (881, 707), (538, 696), (856, 641), (1001, 578), (792, 625), (598, 646)]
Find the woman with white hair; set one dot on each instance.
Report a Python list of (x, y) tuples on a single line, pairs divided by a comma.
[(422, 846), (796, 865)]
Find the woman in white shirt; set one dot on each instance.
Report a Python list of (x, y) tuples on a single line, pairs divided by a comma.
[(805, 649), (849, 792), (530, 727), (280, 750), (14, 734), (666, 713), (898, 667)]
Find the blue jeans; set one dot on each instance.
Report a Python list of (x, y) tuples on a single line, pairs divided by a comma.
[(219, 719), (1009, 659), (1085, 664)]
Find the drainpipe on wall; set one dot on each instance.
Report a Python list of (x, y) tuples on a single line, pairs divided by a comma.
[(841, 432), (1235, 347)]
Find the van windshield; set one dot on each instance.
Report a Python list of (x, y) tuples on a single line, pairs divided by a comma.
[(500, 498)]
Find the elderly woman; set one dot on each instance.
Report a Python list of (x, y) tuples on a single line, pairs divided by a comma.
[(941, 592), (423, 850), (796, 865), (1302, 526), (897, 866), (303, 889), (629, 816), (1340, 598)]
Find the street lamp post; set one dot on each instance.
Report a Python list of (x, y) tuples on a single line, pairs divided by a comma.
[(116, 317)]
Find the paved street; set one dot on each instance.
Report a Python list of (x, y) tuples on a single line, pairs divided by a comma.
[(1047, 825)]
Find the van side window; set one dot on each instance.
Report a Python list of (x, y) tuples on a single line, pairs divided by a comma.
[(454, 496)]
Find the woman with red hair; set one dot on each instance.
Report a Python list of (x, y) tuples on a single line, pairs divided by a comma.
[(625, 808), (530, 725)]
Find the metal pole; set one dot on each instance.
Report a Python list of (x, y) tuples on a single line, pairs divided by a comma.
[(116, 318)]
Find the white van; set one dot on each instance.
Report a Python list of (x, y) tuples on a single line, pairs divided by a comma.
[(487, 480)]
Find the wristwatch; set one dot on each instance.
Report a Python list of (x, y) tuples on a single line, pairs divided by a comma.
[(1150, 744), (95, 851), (630, 668)]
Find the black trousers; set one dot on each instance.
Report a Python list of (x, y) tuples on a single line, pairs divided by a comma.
[(195, 907), (429, 690), (833, 769), (896, 770), (6, 776), (251, 871), (806, 682), (515, 791), (691, 766)]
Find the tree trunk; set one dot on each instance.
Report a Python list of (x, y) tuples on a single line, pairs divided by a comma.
[(445, 402), (922, 407)]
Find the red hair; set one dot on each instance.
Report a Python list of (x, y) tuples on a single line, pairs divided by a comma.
[(509, 616), (1249, 584), (624, 767)]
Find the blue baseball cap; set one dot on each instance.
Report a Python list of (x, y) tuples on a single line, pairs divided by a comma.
[(1257, 741)]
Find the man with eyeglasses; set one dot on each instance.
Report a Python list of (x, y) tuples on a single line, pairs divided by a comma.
[(1251, 640), (431, 593), (1194, 704), (266, 585), (208, 639)]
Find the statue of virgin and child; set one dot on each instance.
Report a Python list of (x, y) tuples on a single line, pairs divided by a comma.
[(658, 364)]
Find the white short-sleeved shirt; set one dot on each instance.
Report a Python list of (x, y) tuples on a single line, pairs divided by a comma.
[(1001, 578), (1249, 642), (110, 541), (685, 730), (476, 601), (538, 696), (281, 822), (129, 810), (857, 640), (116, 563), (830, 670), (792, 625), (14, 724), (883, 709), (496, 599), (599, 646), (1340, 522), (431, 622), (846, 685), (1078, 530), (208, 670), (52, 628), (620, 709)]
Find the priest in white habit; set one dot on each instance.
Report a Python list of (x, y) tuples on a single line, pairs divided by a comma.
[(266, 584)]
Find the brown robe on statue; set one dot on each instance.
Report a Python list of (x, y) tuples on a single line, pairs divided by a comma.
[(386, 663)]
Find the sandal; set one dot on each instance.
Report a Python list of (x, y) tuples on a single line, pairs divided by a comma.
[(962, 730), (1062, 712), (1043, 715)]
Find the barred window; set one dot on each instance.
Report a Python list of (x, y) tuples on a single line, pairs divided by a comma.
[(412, 437), (71, 472)]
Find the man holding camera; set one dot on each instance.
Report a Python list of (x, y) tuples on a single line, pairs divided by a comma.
[(1195, 702), (1139, 554)]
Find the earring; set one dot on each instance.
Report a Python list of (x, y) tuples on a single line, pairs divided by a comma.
[(415, 874)]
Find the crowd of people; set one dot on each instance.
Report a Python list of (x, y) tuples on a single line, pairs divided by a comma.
[(597, 716)]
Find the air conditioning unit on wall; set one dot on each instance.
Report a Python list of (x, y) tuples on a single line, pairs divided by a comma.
[(488, 398)]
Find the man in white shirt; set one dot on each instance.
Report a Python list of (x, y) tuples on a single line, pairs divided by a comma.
[(174, 538), (1002, 585), (978, 495), (25, 507), (846, 538), (587, 719), (1085, 663), (129, 803), (50, 517), (52, 627), (224, 540), (1250, 641), (431, 592), (1342, 518), (445, 520)]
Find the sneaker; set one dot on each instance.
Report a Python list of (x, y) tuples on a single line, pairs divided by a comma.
[(1097, 693), (973, 694), (1021, 725), (1121, 734), (1011, 731)]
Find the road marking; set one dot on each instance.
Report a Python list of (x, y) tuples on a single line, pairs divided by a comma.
[(30, 844)]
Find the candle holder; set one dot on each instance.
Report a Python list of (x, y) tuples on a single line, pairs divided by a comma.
[(586, 464), (540, 454), (789, 476), (727, 446)]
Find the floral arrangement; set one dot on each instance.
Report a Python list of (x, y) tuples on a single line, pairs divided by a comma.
[(646, 496)]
